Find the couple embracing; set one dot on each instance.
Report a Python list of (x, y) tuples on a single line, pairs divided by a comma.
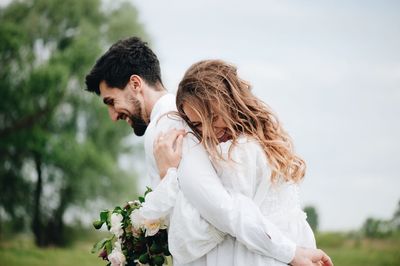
[(223, 169)]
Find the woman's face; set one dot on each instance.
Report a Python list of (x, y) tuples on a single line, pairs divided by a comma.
[(218, 125)]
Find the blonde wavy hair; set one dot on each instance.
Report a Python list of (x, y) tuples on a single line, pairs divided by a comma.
[(213, 89)]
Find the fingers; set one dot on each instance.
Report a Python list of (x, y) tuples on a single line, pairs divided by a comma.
[(323, 258), (326, 260), (173, 134), (169, 138), (167, 150), (178, 145), (321, 263), (159, 138)]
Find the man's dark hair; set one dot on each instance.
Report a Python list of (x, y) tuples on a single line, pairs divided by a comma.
[(126, 57)]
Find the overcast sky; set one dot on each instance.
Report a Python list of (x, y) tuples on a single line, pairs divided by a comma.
[(330, 70)]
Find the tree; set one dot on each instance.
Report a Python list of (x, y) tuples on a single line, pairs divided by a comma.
[(312, 217), (396, 218), (58, 149), (376, 228)]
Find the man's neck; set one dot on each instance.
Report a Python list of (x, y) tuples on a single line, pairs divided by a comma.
[(152, 96)]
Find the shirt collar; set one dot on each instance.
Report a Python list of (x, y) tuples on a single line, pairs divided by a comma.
[(158, 107)]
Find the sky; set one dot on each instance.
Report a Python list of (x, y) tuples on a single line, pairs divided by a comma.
[(329, 69)]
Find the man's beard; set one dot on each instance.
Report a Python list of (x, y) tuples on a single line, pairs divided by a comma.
[(139, 126)]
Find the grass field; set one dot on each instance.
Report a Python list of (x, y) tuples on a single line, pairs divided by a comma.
[(22, 251), (348, 250), (344, 250)]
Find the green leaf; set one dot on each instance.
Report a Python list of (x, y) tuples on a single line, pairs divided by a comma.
[(158, 260), (166, 250), (155, 249), (144, 258), (118, 209), (148, 190), (98, 224), (141, 199), (99, 245), (108, 246), (104, 215)]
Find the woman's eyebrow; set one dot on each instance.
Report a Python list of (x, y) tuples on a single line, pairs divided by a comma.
[(195, 124)]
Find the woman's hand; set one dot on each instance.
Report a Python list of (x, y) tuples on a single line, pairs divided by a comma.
[(167, 150), (310, 257)]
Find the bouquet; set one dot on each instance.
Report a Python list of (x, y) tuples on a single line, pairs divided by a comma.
[(134, 240)]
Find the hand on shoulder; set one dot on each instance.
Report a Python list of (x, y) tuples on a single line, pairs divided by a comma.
[(167, 150)]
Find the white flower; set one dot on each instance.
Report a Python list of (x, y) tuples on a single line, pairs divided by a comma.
[(153, 226), (116, 224), (136, 220), (116, 257)]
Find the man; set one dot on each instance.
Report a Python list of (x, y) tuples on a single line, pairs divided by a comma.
[(128, 79)]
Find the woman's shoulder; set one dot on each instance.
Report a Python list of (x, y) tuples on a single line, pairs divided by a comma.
[(244, 146), (249, 140), (250, 144)]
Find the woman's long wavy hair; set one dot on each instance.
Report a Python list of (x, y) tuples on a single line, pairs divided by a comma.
[(212, 88)]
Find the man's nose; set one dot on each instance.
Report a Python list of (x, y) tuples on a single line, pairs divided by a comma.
[(113, 114)]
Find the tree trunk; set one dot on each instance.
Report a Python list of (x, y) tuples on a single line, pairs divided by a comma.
[(37, 225), (55, 227), (51, 231)]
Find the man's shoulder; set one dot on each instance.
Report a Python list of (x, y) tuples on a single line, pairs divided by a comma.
[(169, 121)]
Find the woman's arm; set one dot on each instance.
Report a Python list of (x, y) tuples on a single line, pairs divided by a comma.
[(159, 203)]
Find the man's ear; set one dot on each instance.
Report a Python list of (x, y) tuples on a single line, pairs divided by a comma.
[(135, 83)]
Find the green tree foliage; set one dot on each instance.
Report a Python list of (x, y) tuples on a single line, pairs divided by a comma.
[(58, 149), (396, 218), (312, 217), (375, 228), (378, 228)]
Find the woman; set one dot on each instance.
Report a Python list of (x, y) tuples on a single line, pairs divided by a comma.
[(251, 152)]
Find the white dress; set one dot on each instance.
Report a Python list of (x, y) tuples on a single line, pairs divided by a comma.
[(249, 175), (202, 212)]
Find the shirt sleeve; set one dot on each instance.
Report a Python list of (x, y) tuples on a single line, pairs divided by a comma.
[(159, 202), (232, 213)]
